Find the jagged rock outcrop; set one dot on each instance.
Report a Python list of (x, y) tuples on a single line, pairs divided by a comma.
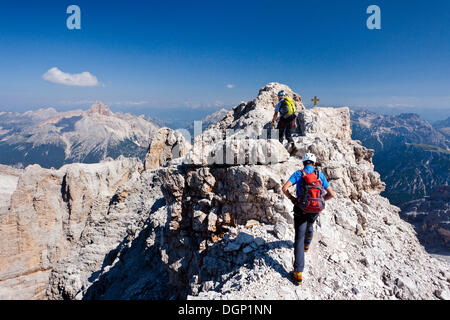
[(48, 214), (166, 144), (9, 177), (220, 231), (431, 218), (249, 120), (334, 123)]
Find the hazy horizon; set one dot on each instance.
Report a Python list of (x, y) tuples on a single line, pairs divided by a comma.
[(186, 114)]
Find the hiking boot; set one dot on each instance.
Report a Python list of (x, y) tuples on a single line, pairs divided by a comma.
[(291, 149), (297, 277), (306, 248)]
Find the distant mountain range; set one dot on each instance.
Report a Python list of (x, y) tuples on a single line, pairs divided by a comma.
[(429, 114), (412, 156), (51, 138), (444, 127)]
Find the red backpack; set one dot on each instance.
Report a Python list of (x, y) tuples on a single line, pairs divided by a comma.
[(312, 193)]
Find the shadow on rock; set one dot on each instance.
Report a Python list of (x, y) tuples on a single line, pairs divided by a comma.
[(138, 271)]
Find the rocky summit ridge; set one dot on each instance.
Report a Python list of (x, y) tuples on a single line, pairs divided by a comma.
[(210, 222)]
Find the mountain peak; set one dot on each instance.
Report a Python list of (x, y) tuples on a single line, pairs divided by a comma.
[(270, 92), (99, 108)]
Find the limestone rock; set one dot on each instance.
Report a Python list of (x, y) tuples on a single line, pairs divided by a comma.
[(244, 238), (166, 144), (249, 120), (48, 211), (332, 122), (8, 183)]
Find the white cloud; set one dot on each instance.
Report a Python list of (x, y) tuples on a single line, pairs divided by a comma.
[(397, 105), (130, 103), (84, 79), (230, 86)]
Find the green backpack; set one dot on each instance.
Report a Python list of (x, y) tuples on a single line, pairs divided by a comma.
[(287, 107)]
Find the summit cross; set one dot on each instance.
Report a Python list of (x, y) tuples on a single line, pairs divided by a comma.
[(315, 100)]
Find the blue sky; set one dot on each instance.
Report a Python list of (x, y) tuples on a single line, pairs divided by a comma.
[(194, 53)]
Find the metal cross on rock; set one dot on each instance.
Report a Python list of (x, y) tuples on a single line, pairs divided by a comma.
[(315, 100)]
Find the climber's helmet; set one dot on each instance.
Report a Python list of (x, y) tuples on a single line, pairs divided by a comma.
[(281, 94), (309, 158)]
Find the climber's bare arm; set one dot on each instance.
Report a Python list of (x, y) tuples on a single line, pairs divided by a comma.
[(275, 116), (285, 188), (330, 193)]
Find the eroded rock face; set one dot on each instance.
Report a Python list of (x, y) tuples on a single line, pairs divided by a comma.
[(48, 212), (347, 164), (9, 177), (122, 242), (31, 233), (166, 144), (214, 231), (331, 122)]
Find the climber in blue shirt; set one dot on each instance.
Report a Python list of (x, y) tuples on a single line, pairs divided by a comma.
[(296, 178), (304, 220)]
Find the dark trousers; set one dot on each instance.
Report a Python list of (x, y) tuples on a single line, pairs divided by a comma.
[(285, 128), (304, 229)]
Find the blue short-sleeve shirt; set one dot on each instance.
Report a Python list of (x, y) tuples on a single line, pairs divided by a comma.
[(296, 178), (277, 107)]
